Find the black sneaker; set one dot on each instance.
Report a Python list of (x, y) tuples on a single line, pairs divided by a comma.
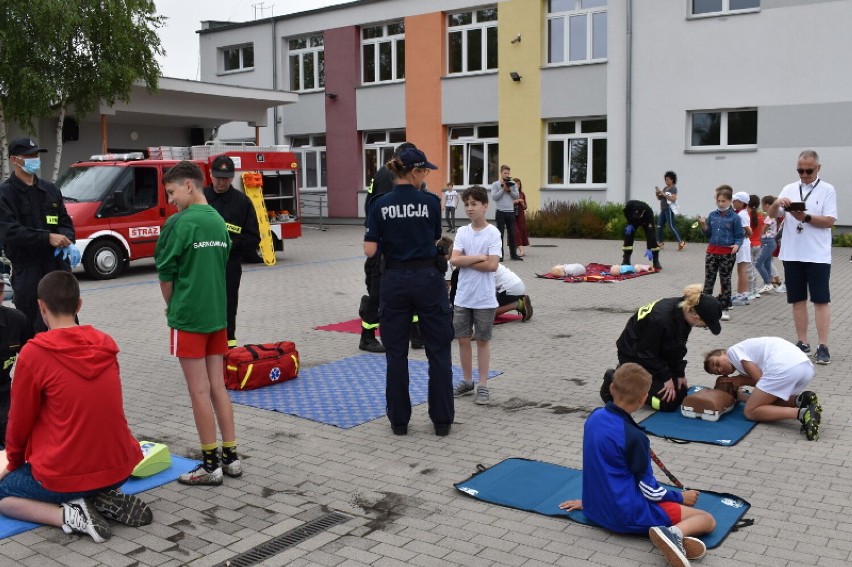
[(821, 356), (442, 429), (606, 396), (810, 419), (804, 347), (82, 517), (123, 508), (371, 345), (399, 429), (807, 398), (528, 309)]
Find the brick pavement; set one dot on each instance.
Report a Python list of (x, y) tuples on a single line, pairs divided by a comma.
[(399, 489)]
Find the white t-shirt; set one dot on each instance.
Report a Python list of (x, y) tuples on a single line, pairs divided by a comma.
[(507, 281), (475, 289), (779, 361), (812, 244), (450, 198), (744, 251)]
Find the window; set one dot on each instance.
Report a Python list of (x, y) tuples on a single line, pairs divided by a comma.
[(238, 58), (310, 155), (576, 31), (307, 63), (721, 129), (472, 41), (716, 7), (576, 152), (383, 53), (474, 155), (378, 149)]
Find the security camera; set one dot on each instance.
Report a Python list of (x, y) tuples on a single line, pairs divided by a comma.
[(517, 39)]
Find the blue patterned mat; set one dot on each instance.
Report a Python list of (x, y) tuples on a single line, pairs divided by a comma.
[(344, 393)]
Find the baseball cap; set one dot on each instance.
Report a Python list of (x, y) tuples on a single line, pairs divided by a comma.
[(741, 196), (24, 147), (710, 311), (222, 166), (412, 158), (403, 146)]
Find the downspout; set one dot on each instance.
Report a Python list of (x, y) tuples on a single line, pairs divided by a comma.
[(629, 103), (274, 82)]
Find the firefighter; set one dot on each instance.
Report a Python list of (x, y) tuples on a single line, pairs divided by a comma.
[(368, 311), (35, 228), (241, 220)]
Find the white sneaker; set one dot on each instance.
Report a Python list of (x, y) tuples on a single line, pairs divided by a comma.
[(766, 289), (781, 289), (234, 469), (726, 316), (80, 516), (754, 295), (199, 476)]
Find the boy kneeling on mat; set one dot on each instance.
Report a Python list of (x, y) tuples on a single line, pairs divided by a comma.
[(620, 492), (68, 445), (780, 372)]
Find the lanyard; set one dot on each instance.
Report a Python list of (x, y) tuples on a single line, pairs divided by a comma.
[(805, 198)]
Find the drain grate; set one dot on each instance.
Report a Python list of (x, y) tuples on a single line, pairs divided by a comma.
[(286, 540)]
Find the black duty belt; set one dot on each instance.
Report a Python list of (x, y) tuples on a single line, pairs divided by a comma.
[(410, 264)]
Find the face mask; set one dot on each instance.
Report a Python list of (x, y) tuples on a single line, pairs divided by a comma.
[(31, 165), (721, 210)]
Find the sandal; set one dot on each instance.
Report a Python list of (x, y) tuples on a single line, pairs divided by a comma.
[(681, 245)]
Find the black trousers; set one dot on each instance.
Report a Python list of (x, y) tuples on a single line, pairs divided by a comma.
[(506, 221), (369, 308), (233, 276), (25, 280)]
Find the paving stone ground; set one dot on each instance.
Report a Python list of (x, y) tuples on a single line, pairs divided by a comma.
[(399, 489)]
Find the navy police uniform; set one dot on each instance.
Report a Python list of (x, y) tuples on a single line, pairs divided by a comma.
[(28, 215), (369, 309), (640, 215), (406, 223)]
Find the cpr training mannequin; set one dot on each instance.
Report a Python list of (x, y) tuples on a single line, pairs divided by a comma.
[(564, 270)]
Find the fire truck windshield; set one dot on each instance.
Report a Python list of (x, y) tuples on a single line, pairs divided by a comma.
[(88, 184)]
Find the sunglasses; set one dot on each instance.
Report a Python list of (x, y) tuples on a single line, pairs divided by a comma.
[(807, 171)]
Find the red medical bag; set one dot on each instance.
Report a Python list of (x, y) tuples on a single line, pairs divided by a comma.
[(256, 366)]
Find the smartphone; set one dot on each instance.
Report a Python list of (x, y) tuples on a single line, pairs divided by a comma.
[(796, 206)]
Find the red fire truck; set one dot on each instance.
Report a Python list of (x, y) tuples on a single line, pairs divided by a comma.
[(118, 202)]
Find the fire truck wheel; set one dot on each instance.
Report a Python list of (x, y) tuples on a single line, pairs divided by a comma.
[(104, 260)]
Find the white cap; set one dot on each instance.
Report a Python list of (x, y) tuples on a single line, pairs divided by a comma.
[(742, 197)]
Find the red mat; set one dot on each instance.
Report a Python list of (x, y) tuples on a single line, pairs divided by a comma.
[(354, 326), (596, 273)]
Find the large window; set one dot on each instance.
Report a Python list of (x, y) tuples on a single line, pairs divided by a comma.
[(378, 149), (238, 58), (383, 53), (472, 41), (474, 155), (576, 31), (307, 63), (310, 155), (715, 7), (723, 129), (576, 152)]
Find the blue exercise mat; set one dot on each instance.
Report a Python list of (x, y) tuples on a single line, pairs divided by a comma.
[(730, 428), (344, 393), (10, 527), (540, 487)]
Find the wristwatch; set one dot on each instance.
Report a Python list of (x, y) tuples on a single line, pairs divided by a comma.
[(807, 218)]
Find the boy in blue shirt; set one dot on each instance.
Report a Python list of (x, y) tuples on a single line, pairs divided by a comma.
[(620, 492)]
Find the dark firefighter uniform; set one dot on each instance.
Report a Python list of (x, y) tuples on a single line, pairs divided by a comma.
[(406, 223), (640, 215), (241, 221), (15, 330), (27, 217)]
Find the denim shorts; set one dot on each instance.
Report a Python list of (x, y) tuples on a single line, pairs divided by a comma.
[(477, 323), (20, 483)]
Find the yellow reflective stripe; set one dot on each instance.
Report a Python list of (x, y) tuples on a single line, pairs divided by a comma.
[(655, 403), (368, 326), (644, 310), (52, 219), (415, 319), (233, 228), (295, 361), (232, 368), (248, 373)]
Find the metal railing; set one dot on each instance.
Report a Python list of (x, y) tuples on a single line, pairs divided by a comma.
[(314, 206)]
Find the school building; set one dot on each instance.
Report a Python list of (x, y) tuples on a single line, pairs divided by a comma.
[(583, 98)]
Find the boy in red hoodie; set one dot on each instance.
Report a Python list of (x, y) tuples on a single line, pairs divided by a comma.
[(68, 445)]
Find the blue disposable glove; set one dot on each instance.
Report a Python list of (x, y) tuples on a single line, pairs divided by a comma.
[(69, 253), (629, 230), (649, 255)]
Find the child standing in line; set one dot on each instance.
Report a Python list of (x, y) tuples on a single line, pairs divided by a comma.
[(724, 231), (476, 252), (449, 198), (767, 246), (756, 217), (740, 204)]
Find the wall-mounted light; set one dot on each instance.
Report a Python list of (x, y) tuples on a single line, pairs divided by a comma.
[(332, 96), (515, 76), (517, 39)]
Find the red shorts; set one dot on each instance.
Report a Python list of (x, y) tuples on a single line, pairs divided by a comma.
[(184, 344), (672, 510)]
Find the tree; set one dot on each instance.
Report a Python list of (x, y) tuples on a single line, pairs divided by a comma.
[(86, 52)]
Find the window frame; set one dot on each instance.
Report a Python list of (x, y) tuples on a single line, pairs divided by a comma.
[(318, 54), (384, 149), (313, 147), (565, 138), (565, 16), (723, 145), (725, 11), (465, 30), (491, 167), (241, 49), (397, 42)]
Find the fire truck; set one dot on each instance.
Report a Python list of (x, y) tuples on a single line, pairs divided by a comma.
[(118, 202)]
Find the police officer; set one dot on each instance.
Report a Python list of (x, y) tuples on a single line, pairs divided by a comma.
[(241, 221), (34, 226), (406, 223), (15, 330), (383, 182)]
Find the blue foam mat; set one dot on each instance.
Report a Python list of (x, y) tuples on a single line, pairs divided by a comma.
[(344, 393), (729, 430), (540, 487), (180, 465)]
